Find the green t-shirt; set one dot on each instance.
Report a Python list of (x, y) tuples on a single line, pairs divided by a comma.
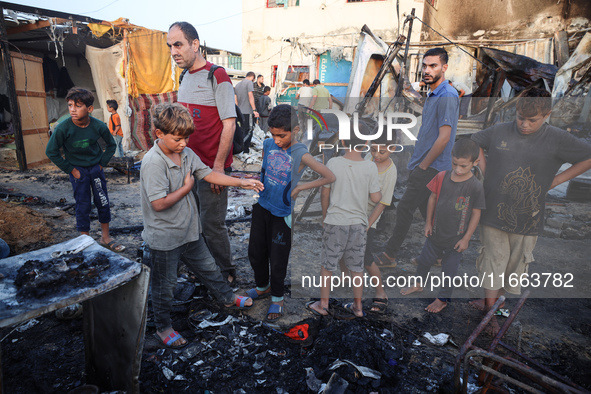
[(80, 145)]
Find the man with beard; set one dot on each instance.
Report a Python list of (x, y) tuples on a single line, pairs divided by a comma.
[(211, 104), (432, 152)]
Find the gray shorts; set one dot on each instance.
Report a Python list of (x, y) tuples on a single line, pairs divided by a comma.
[(344, 242)]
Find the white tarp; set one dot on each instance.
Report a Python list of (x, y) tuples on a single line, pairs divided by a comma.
[(106, 65)]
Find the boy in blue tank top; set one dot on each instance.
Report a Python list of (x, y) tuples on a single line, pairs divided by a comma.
[(270, 231)]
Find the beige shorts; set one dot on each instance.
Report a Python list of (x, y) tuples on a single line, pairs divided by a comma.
[(504, 254)]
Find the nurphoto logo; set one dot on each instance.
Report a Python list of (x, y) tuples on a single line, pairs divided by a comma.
[(391, 121)]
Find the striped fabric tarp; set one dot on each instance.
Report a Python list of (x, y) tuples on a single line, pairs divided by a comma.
[(142, 134)]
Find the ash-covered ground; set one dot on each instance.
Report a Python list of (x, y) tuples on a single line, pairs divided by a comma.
[(237, 353)]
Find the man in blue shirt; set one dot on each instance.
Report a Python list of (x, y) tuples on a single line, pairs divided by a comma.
[(432, 152)]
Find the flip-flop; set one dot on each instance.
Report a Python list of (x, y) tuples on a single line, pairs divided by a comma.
[(113, 246), (252, 293), (275, 309), (348, 313), (240, 303), (314, 311), (381, 304), (383, 261), (172, 338)]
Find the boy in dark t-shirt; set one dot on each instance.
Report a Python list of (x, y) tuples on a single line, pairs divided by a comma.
[(523, 158), (453, 212)]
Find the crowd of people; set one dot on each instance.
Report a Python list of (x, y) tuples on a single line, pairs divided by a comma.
[(184, 187)]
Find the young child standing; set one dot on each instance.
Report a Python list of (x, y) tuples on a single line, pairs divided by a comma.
[(115, 127), (387, 176), (344, 210), (265, 107), (270, 231), (453, 212), (171, 218), (84, 160)]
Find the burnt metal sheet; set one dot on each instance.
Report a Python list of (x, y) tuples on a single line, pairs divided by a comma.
[(521, 71), (17, 306)]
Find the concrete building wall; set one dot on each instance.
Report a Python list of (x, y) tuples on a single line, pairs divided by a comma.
[(504, 19), (294, 35)]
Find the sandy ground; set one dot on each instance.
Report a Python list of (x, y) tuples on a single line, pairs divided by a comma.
[(554, 326)]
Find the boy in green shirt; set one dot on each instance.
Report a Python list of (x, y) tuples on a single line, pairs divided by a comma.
[(84, 161)]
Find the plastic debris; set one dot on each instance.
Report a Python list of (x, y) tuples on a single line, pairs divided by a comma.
[(167, 373), (312, 381), (502, 312), (207, 323), (366, 372), (439, 339), (336, 384), (235, 212), (27, 325)]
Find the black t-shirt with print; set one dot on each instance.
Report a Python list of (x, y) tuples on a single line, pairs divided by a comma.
[(519, 172)]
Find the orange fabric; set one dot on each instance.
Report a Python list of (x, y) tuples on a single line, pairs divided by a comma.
[(114, 121), (150, 63)]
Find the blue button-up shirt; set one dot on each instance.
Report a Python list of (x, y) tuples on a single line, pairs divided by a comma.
[(441, 109)]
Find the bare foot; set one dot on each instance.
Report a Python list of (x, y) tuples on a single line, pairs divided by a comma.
[(317, 308), (410, 290), (493, 327), (436, 306), (481, 305), (164, 334), (358, 312)]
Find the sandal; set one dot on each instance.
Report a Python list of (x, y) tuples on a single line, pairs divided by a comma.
[(274, 309), (240, 303), (172, 338), (113, 246), (379, 305), (383, 261), (252, 293)]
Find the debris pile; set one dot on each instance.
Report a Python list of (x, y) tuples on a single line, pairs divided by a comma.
[(235, 354), (39, 278)]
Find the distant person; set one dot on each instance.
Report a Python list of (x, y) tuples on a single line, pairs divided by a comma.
[(432, 151), (344, 214), (522, 162), (244, 92), (321, 98), (171, 217), (304, 97), (115, 127), (214, 114), (258, 91), (465, 94), (265, 108), (284, 161), (84, 161), (453, 212)]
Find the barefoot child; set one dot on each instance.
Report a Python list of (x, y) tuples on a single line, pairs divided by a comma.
[(344, 211), (523, 159), (171, 218), (270, 232), (387, 175), (84, 161), (453, 212)]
